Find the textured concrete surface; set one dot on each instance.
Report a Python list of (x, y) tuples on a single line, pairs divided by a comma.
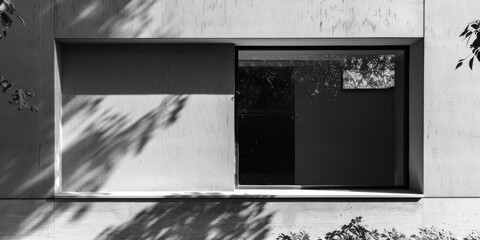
[(224, 219), (452, 143), (452, 119), (238, 19), (27, 139), (148, 117)]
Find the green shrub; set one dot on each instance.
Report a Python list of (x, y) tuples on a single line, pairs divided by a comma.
[(393, 235), (356, 229), (433, 233), (474, 235), (302, 235)]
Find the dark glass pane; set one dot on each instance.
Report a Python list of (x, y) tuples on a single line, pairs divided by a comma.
[(264, 89), (267, 150), (265, 103), (321, 117)]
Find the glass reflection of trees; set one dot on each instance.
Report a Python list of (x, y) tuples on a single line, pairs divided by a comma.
[(376, 73), (271, 85)]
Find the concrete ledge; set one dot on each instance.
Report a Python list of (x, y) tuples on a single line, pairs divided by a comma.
[(250, 193)]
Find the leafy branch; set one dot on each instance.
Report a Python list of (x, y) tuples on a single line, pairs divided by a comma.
[(357, 229), (472, 30), (18, 96), (302, 235)]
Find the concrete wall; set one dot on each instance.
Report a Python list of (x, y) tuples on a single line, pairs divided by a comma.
[(27, 139), (238, 19), (27, 150), (452, 144), (224, 220)]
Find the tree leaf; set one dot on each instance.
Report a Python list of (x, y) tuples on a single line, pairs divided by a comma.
[(464, 32), (7, 6), (20, 18), (458, 65), (6, 21), (470, 63), (463, 59), (30, 94), (475, 44), (468, 34), (8, 86), (34, 108)]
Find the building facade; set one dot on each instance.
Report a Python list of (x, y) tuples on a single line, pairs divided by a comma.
[(136, 134)]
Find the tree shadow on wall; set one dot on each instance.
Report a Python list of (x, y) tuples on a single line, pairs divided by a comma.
[(226, 220), (120, 18), (88, 163), (114, 138)]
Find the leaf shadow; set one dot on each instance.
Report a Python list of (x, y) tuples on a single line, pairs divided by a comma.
[(225, 220)]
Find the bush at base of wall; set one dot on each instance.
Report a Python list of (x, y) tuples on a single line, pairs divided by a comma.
[(356, 229)]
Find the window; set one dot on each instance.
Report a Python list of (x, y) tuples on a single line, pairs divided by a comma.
[(230, 119), (322, 117)]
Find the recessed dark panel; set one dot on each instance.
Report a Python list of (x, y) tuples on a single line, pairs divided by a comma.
[(298, 125)]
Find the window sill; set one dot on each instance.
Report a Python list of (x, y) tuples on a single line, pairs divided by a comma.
[(251, 193)]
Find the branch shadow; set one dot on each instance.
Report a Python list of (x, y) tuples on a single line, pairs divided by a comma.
[(119, 18), (88, 163), (226, 220), (105, 143), (27, 162)]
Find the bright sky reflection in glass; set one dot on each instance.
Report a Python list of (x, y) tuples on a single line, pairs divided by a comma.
[(376, 73)]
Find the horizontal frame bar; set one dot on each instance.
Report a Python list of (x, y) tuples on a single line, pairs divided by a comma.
[(251, 193)]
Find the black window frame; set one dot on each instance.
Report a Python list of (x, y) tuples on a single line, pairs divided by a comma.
[(406, 115)]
